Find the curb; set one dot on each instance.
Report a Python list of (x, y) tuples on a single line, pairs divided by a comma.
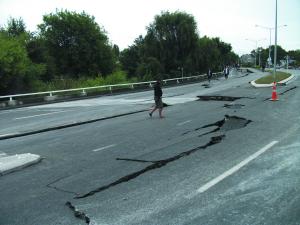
[(9, 164), (26, 133), (270, 85)]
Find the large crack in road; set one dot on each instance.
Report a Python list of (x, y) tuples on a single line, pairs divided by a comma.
[(290, 89), (284, 92), (78, 214), (219, 98), (155, 165), (228, 123)]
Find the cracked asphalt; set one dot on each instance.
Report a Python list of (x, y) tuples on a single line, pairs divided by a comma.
[(210, 161)]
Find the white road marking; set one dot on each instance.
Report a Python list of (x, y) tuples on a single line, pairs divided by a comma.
[(185, 122), (44, 114), (235, 168), (105, 147)]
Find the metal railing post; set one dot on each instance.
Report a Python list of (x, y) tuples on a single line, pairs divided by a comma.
[(83, 93)]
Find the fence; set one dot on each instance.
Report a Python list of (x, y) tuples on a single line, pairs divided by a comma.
[(61, 95)]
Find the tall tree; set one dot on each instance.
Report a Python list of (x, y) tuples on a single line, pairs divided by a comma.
[(172, 39), (16, 70), (295, 55), (77, 44), (172, 45), (209, 54), (15, 27), (131, 58)]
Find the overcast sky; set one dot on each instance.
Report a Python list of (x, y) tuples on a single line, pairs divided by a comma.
[(124, 20)]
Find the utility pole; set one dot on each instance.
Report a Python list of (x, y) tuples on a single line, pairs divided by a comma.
[(275, 51), (270, 33), (256, 49)]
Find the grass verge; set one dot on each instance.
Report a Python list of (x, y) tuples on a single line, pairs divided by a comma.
[(270, 79)]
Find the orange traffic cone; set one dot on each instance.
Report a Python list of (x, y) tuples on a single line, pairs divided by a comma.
[(274, 94)]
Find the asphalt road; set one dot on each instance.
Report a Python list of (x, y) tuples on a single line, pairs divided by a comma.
[(207, 162), (39, 117)]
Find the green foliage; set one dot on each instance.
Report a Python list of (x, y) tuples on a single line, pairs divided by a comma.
[(264, 54), (17, 71), (130, 60), (76, 43), (15, 27), (117, 77), (295, 55), (172, 43), (172, 40), (12, 63), (38, 53)]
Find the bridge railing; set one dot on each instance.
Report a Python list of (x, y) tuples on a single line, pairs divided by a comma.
[(27, 98)]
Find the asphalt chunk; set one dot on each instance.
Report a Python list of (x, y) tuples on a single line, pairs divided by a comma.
[(233, 106), (226, 124), (219, 98)]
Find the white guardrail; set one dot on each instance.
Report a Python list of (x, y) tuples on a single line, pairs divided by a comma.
[(51, 96)]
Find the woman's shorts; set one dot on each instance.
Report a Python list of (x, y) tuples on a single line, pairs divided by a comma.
[(158, 102)]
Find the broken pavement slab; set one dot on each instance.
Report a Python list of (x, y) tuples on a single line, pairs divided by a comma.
[(13, 163)]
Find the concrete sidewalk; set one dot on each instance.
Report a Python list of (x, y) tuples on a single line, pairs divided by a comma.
[(13, 163)]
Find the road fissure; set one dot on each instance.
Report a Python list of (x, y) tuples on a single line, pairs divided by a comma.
[(78, 214)]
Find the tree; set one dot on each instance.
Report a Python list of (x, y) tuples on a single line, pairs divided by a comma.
[(171, 45), (16, 69), (209, 54), (131, 58), (172, 40), (295, 55), (15, 27), (77, 44), (38, 53), (281, 53)]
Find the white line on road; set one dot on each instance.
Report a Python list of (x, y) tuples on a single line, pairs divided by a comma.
[(235, 168), (44, 114), (105, 147), (185, 122)]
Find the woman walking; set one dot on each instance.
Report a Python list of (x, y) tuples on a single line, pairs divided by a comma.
[(158, 99)]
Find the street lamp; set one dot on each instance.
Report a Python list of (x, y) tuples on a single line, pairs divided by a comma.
[(270, 30), (255, 41)]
